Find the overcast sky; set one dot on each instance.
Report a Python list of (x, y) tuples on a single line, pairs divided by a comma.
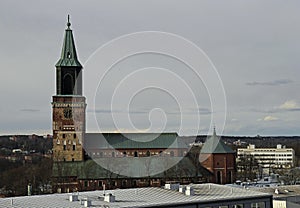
[(253, 45)]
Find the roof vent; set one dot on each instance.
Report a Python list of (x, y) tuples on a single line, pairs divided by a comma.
[(182, 189), (109, 198), (189, 191), (172, 186), (86, 202), (73, 197)]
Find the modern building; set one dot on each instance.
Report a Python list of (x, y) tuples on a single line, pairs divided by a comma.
[(219, 159), (269, 158), (173, 195)]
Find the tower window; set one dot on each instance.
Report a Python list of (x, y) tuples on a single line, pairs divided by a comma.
[(74, 147), (68, 84), (74, 136), (64, 136), (65, 147), (69, 55)]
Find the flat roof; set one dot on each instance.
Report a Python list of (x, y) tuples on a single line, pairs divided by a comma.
[(282, 191), (138, 197)]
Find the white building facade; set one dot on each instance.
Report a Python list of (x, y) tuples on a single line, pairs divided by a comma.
[(279, 157)]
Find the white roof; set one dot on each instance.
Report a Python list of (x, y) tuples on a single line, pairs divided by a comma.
[(140, 197)]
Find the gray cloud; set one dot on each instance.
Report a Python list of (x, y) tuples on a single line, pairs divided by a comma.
[(248, 45), (271, 83), (29, 110)]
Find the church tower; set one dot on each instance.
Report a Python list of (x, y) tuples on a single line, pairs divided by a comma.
[(68, 105), (219, 159)]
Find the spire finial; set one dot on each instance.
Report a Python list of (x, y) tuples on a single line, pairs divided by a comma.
[(68, 24), (215, 134)]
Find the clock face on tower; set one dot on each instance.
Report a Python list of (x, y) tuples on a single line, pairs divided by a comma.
[(68, 113)]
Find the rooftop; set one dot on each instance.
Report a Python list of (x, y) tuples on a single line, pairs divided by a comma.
[(133, 141), (282, 191), (141, 197), (214, 145)]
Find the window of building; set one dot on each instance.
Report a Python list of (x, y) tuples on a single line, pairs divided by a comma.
[(74, 136), (224, 206), (238, 206), (64, 136), (172, 153), (86, 183), (219, 177), (135, 154), (65, 147), (73, 160), (148, 153), (258, 205), (229, 177), (113, 154), (74, 147), (124, 183)]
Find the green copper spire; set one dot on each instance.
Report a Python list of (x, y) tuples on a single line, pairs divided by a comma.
[(68, 54), (214, 144)]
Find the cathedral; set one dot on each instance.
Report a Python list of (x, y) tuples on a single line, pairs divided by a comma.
[(85, 161)]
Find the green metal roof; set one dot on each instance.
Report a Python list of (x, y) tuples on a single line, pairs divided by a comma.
[(214, 144), (68, 54), (133, 167), (133, 141)]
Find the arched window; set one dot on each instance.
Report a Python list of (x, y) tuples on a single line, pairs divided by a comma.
[(124, 154), (148, 153), (172, 153), (229, 177), (219, 177), (135, 154), (68, 85)]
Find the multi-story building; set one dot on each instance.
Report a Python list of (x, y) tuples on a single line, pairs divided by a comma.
[(279, 157)]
